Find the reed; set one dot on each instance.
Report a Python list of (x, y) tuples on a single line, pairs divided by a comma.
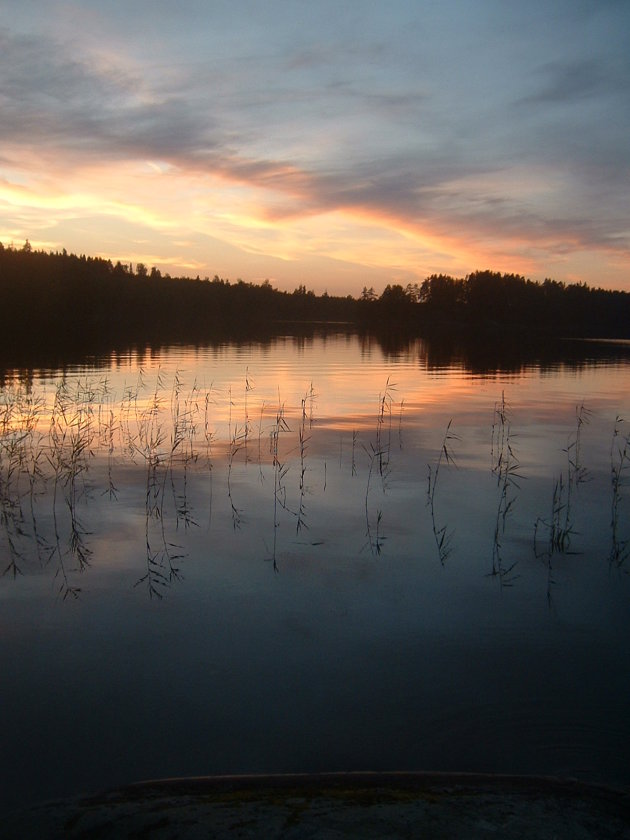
[(249, 386), (11, 514), (236, 512), (312, 397), (375, 539), (261, 474), (183, 453), (384, 430), (442, 534), (110, 427), (16, 417), (35, 470), (70, 436), (150, 441), (303, 441), (506, 467), (619, 463), (48, 449), (280, 470), (208, 432), (22, 474), (208, 436), (559, 525), (577, 472)]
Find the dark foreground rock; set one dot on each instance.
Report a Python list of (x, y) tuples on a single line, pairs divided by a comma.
[(361, 805)]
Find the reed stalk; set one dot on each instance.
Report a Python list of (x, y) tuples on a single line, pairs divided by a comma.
[(505, 465), (443, 535), (303, 440), (619, 464), (280, 470), (375, 539)]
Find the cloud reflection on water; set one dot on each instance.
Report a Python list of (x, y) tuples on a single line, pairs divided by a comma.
[(361, 649)]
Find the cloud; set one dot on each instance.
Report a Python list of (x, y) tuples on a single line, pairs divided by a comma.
[(53, 101), (566, 82), (430, 124)]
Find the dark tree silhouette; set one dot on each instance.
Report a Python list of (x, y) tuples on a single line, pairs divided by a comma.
[(63, 300)]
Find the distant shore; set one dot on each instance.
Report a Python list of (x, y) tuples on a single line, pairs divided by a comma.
[(65, 301)]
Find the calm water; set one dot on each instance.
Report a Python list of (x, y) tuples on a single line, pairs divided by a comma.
[(254, 558)]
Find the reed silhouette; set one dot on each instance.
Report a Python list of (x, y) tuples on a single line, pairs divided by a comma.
[(303, 441), (442, 534), (62, 451), (280, 470), (375, 538), (560, 525), (619, 464), (505, 466)]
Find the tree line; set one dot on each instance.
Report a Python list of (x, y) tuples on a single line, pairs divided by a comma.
[(509, 303), (61, 299)]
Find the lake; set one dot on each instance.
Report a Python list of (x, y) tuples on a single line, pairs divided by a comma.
[(315, 554)]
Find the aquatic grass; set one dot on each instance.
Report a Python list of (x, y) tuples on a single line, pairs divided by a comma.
[(48, 451), (506, 467), (142, 428), (375, 536), (311, 397), (17, 415), (577, 472), (159, 457), (66, 588), (11, 513), (234, 446), (157, 577), (442, 534), (619, 463), (182, 454), (80, 451), (150, 441), (379, 460), (375, 539), (559, 525), (208, 432), (499, 434), (129, 414), (280, 470), (109, 429), (37, 487), (504, 461), (237, 441), (71, 435), (384, 429), (261, 474), (208, 437), (303, 440), (249, 386)]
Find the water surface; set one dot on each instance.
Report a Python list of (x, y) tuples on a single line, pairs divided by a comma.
[(256, 558)]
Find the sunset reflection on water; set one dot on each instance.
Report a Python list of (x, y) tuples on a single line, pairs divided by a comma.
[(217, 524)]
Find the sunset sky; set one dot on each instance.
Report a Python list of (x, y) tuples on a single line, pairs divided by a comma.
[(331, 144)]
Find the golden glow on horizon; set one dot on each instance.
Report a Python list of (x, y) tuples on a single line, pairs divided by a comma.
[(274, 214)]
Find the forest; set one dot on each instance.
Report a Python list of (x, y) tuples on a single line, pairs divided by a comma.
[(66, 301)]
